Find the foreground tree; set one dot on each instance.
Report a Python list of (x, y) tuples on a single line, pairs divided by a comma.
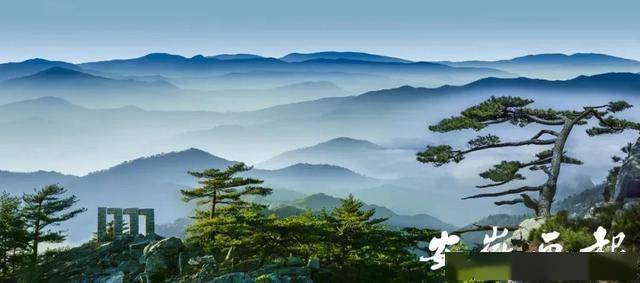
[(515, 110), (229, 216), (12, 234), (44, 209), (361, 246)]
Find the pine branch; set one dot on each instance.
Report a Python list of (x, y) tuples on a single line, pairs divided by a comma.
[(542, 132), (507, 192), (493, 184), (555, 122), (509, 144), (509, 202), (479, 228)]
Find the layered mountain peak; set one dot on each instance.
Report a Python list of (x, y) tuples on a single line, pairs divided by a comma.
[(41, 103), (348, 143), (337, 55), (239, 56), (162, 56), (60, 72), (169, 166), (584, 58)]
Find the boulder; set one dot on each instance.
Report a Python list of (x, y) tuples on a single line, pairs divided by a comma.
[(268, 278), (295, 261), (628, 184), (168, 246), (520, 236), (161, 258), (236, 277), (206, 263), (117, 277), (314, 263)]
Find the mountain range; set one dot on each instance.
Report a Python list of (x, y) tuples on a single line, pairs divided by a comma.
[(359, 155), (320, 201), (309, 135), (155, 181), (556, 65), (30, 67), (97, 91), (89, 90), (334, 55)]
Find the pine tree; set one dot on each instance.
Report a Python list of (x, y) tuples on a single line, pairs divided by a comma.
[(515, 110), (229, 216), (361, 246), (44, 209), (13, 234)]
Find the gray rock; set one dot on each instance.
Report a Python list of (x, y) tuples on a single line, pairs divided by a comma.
[(268, 278), (236, 277), (207, 259), (168, 246), (139, 245), (630, 203), (117, 277), (295, 261), (521, 235), (628, 184), (161, 258), (314, 263), (206, 263), (157, 267)]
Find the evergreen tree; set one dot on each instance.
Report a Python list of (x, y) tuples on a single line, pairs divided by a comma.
[(44, 209), (360, 245), (230, 220), (13, 234), (515, 110)]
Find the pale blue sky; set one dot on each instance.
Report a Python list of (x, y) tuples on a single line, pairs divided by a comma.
[(84, 30)]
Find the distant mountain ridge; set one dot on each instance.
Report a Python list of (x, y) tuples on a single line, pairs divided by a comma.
[(333, 55), (31, 66), (176, 65), (356, 154), (57, 75), (551, 59), (240, 56), (623, 82), (155, 181), (556, 65), (319, 201)]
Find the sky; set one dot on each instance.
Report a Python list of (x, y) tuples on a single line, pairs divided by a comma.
[(90, 30)]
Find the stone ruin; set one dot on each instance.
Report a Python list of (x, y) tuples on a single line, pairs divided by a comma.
[(118, 215)]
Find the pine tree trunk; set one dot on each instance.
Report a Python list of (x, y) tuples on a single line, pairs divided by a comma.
[(34, 255), (212, 213), (545, 200)]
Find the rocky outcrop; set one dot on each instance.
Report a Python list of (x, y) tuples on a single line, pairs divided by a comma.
[(628, 183), (116, 261), (520, 237), (161, 259), (155, 259), (236, 277)]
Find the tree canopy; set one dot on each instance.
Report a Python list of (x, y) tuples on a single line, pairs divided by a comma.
[(516, 111)]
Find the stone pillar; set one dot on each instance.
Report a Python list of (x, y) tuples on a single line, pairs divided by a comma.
[(133, 220), (150, 225), (117, 221), (102, 223)]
